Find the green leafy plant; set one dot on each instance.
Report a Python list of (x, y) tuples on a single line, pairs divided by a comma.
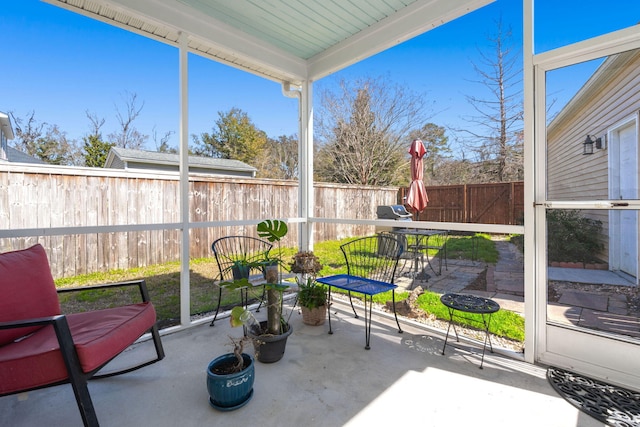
[(274, 231), (572, 236), (311, 294)]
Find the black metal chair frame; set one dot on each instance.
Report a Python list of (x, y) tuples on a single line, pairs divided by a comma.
[(230, 249), (77, 378), (371, 267), (416, 251)]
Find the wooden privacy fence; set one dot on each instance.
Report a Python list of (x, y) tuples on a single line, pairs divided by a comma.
[(495, 203), (45, 197)]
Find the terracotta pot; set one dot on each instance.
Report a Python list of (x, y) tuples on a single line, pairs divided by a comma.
[(314, 316)]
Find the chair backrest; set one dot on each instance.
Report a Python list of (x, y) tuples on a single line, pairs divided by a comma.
[(373, 257), (27, 290), (232, 249)]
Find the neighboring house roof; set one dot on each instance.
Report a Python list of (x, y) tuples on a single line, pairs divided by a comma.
[(17, 156), (125, 158)]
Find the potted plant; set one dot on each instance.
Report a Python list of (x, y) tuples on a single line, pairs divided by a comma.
[(230, 378), (312, 296), (240, 269), (270, 337)]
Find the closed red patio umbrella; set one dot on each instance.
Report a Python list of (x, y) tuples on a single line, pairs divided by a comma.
[(417, 196)]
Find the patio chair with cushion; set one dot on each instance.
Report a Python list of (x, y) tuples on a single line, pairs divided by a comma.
[(40, 347), (371, 268), (236, 257)]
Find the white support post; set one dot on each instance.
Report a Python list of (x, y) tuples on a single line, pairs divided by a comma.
[(530, 264), (185, 291), (305, 166)]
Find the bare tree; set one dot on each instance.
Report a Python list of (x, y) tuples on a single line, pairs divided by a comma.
[(95, 123), (497, 137), (128, 136), (95, 149), (162, 142), (27, 132), (280, 160), (364, 132), (44, 141)]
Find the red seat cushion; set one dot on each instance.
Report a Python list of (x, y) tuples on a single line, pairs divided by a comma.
[(27, 290), (98, 335)]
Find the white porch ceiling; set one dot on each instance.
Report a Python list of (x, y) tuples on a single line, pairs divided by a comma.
[(282, 40)]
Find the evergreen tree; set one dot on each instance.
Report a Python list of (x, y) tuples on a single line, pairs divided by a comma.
[(95, 151), (234, 137)]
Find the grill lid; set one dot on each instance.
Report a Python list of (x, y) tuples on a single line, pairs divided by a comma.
[(392, 212)]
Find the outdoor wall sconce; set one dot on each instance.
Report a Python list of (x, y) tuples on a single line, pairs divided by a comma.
[(587, 145)]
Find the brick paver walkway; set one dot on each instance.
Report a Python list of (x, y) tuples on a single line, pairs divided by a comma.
[(607, 311)]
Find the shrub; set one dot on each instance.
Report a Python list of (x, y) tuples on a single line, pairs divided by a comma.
[(572, 237)]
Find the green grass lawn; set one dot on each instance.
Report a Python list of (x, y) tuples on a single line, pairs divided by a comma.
[(163, 282)]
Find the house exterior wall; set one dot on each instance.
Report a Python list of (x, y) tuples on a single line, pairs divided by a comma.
[(3, 146), (603, 102)]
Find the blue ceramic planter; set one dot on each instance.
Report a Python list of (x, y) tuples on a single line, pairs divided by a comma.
[(231, 391)]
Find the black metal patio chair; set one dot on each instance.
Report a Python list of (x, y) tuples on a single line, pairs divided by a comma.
[(236, 257), (371, 268)]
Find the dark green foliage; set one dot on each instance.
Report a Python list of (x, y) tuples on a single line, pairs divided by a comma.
[(572, 237), (95, 151), (234, 136)]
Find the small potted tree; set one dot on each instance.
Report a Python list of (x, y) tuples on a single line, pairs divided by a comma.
[(270, 338), (230, 377), (312, 296)]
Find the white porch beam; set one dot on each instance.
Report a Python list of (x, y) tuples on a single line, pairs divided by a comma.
[(415, 19), (208, 37)]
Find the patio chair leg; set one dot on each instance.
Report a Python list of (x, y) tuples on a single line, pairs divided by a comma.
[(352, 307), (393, 299), (264, 293), (329, 302), (367, 321), (215, 316), (155, 335), (77, 378)]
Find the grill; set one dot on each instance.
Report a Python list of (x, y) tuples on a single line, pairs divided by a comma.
[(397, 212)]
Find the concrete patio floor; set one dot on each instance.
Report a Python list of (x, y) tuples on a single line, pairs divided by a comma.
[(322, 380)]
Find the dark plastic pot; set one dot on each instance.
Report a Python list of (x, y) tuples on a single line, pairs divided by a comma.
[(240, 271), (231, 391), (270, 348)]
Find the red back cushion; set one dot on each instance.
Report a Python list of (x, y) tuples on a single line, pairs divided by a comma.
[(26, 288)]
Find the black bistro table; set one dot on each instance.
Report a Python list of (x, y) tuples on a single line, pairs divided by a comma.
[(470, 304)]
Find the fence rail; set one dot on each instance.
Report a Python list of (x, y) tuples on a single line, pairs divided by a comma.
[(47, 197)]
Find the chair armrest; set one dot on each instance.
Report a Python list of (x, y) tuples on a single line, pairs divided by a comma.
[(39, 321), (144, 293)]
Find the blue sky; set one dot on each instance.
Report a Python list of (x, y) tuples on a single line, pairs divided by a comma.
[(59, 65)]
